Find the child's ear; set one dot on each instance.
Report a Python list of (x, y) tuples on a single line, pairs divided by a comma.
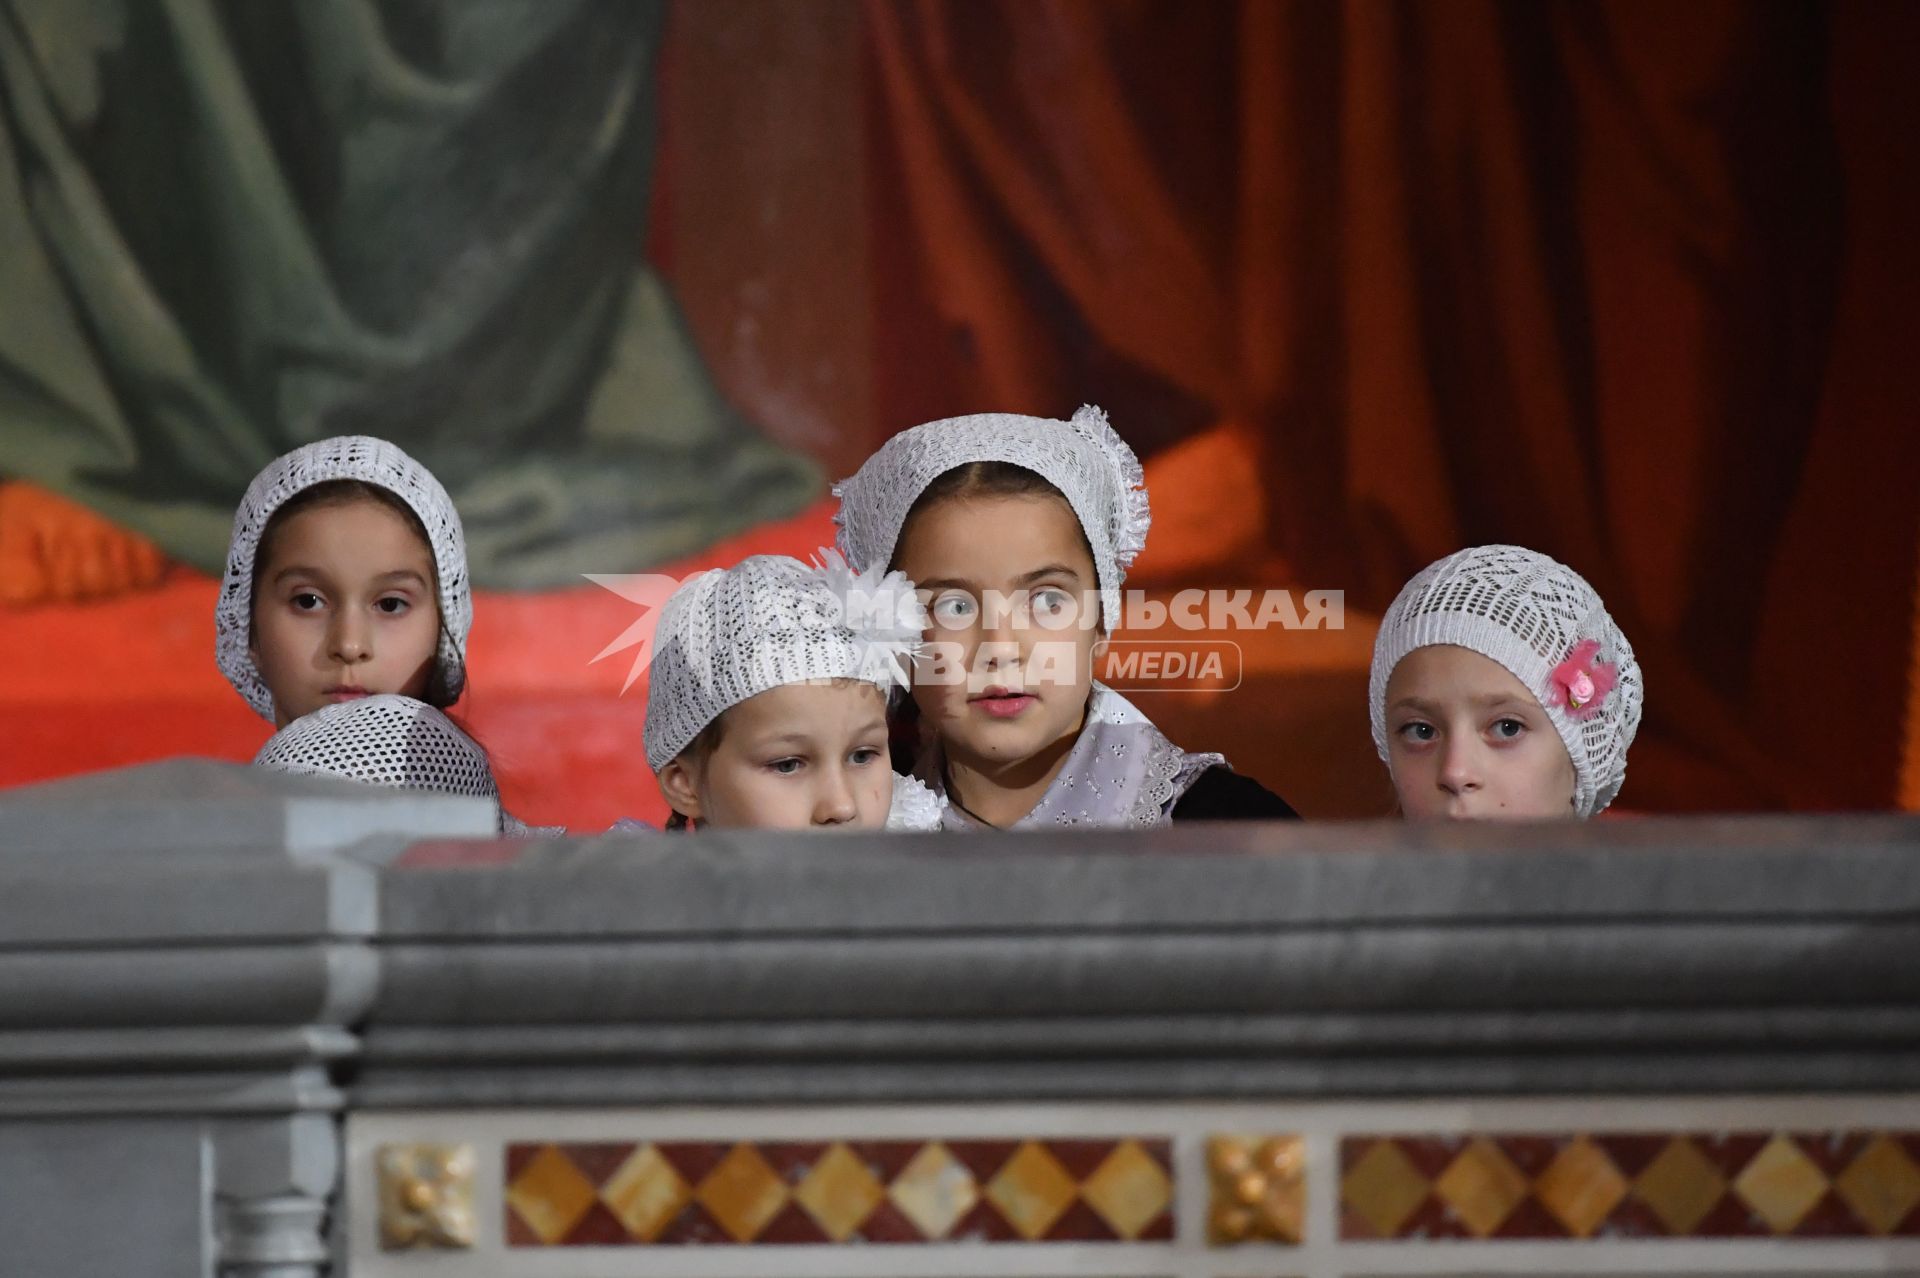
[(681, 788)]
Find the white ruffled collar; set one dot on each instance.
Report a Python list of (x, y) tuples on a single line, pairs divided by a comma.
[(1123, 773)]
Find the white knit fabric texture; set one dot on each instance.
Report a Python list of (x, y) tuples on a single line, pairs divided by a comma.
[(385, 740), (1084, 458), (1527, 612), (373, 461), (766, 622)]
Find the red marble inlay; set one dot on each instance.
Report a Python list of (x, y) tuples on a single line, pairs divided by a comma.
[(984, 1158), (983, 1224), (793, 1225), (1081, 1158), (1080, 1223), (694, 1160), (1729, 1153), (1532, 1154), (599, 1162), (1530, 1219), (694, 1225), (886, 1224), (1431, 1155), (1833, 1152), (792, 1160), (1631, 1152), (598, 1228), (886, 1159), (1830, 1218)]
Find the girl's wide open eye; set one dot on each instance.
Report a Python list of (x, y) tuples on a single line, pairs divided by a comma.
[(393, 605), (1507, 728), (865, 756), (306, 601), (954, 609), (1050, 606), (1417, 732)]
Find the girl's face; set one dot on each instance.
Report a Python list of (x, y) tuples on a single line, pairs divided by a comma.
[(1006, 580), (797, 757), (345, 608), (1466, 741)]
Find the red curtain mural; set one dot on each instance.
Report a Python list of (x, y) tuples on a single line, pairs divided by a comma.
[(1628, 283)]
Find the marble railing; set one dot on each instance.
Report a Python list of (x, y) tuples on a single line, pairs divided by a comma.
[(256, 1025)]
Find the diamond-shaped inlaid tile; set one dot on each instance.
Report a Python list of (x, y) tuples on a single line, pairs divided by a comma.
[(1383, 1188), (1581, 1187), (1482, 1186), (1881, 1186), (839, 1192), (743, 1193), (1129, 1189), (551, 1195), (1032, 1190), (645, 1192), (934, 1191), (1680, 1186), (1781, 1184)]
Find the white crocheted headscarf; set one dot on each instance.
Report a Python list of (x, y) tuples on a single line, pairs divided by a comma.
[(1544, 623), (1084, 458), (372, 461), (767, 622), (385, 740)]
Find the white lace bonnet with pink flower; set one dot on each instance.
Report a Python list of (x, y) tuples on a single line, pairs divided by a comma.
[(1544, 623)]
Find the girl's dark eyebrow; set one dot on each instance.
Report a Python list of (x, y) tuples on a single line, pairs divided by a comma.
[(785, 734), (1049, 570), (302, 570)]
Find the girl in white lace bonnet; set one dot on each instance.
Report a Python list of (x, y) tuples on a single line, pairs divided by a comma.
[(346, 578), (767, 698), (1018, 532), (1502, 689)]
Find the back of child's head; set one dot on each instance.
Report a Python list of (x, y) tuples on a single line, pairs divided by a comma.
[(1546, 626), (385, 741), (1081, 461), (767, 622), (334, 473)]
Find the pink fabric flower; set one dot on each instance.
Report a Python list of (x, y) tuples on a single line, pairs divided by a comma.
[(1580, 684)]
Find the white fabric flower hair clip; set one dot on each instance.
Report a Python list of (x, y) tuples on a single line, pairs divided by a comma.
[(882, 615)]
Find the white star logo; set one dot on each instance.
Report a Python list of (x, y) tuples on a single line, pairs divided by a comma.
[(651, 591)]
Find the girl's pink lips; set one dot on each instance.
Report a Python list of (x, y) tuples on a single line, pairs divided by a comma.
[(1002, 703), (344, 692)]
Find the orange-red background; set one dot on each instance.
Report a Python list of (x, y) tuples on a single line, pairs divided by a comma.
[(1630, 283)]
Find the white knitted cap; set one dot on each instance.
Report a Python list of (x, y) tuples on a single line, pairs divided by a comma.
[(385, 740), (1528, 613), (1084, 458), (373, 461), (767, 622)]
